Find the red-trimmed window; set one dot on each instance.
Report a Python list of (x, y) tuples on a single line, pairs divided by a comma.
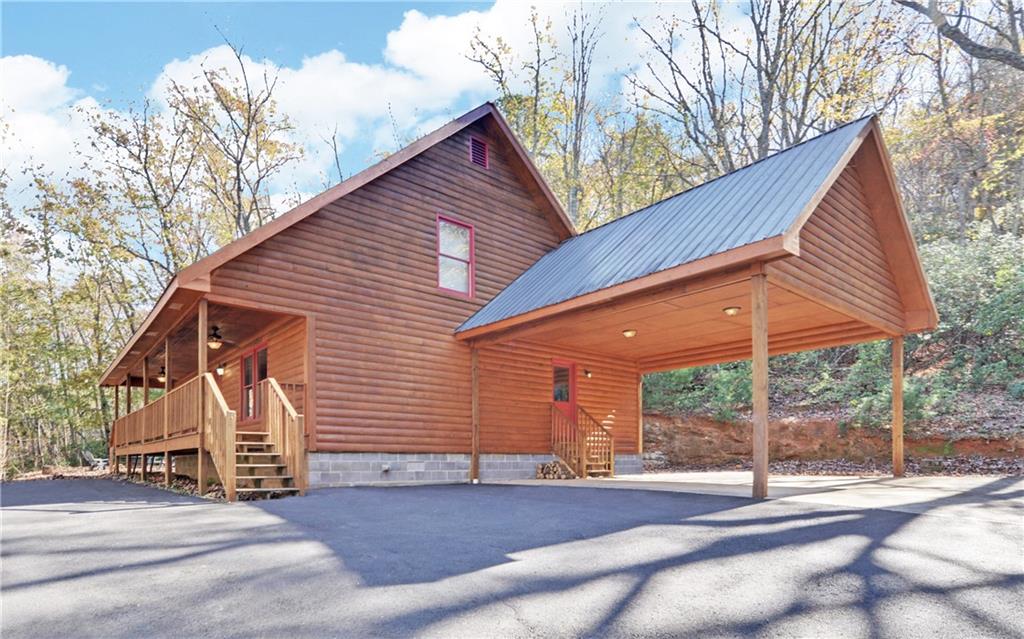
[(455, 262), (254, 371), (478, 152)]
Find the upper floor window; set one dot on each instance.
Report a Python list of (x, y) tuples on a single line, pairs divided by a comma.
[(455, 264), (478, 152)]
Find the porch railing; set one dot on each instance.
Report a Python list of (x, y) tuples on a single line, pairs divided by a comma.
[(170, 415)]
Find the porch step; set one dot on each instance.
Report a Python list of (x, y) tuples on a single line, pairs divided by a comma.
[(263, 477), (260, 466), (285, 489)]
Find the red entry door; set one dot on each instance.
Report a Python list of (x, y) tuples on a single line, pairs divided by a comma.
[(563, 387)]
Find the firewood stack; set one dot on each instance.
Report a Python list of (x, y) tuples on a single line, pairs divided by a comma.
[(554, 470)]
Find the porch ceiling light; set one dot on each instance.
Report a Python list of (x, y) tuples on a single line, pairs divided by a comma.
[(215, 341), (629, 332), (731, 311), (220, 370), (162, 375)]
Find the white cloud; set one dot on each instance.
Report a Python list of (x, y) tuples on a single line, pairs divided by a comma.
[(425, 80), (43, 121)]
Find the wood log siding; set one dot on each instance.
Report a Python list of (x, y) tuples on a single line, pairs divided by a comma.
[(515, 397), (389, 374), (841, 255)]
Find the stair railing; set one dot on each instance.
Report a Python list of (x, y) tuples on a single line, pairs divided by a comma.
[(218, 429), (566, 442), (285, 429), (599, 444)]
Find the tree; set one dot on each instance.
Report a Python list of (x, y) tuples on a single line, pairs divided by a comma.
[(546, 97), (1002, 24), (794, 69), (242, 143)]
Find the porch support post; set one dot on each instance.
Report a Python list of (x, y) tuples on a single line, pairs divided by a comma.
[(474, 464), (897, 406), (145, 380), (167, 389), (117, 401), (142, 467), (201, 366), (759, 339), (128, 393)]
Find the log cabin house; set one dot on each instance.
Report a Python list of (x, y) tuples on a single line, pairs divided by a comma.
[(436, 317)]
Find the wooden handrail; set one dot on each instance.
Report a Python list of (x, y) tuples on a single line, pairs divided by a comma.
[(599, 445), (578, 438), (565, 439), (285, 429), (218, 429)]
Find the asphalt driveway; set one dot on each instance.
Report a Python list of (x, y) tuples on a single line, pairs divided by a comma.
[(96, 558)]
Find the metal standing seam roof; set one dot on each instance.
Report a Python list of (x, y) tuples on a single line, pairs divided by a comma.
[(753, 203)]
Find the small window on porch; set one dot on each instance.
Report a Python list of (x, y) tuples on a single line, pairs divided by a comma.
[(254, 371), (561, 389)]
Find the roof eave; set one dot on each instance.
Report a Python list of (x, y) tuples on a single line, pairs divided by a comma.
[(765, 250)]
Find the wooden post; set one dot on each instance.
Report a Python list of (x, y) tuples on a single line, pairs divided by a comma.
[(167, 389), (142, 468), (759, 340), (897, 406), (128, 394), (201, 365), (113, 430), (640, 414), (474, 463), (145, 381)]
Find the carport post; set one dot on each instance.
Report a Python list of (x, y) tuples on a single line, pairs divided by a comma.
[(759, 356), (897, 406), (474, 460)]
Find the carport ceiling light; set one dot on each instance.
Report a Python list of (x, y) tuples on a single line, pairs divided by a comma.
[(629, 332), (731, 311)]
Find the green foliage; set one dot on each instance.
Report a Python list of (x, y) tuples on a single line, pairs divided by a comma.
[(721, 390)]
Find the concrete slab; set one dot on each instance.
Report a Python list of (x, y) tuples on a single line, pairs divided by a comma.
[(936, 495)]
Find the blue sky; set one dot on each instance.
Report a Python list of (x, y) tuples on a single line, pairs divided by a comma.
[(115, 50), (371, 72)]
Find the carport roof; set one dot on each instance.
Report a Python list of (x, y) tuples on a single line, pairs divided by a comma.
[(759, 201)]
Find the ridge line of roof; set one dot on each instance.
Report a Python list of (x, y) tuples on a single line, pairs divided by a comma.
[(724, 175)]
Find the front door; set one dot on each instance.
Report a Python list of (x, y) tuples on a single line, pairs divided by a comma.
[(563, 387)]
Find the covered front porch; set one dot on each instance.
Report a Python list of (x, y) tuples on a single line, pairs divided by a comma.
[(216, 392)]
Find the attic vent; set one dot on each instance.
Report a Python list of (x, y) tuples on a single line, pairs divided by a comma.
[(478, 152)]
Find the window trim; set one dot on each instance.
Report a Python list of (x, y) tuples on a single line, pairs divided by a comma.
[(254, 350), (441, 217), (487, 152)]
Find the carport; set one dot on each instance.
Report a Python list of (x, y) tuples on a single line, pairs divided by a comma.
[(806, 249)]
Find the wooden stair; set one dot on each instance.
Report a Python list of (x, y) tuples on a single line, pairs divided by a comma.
[(582, 443), (259, 470)]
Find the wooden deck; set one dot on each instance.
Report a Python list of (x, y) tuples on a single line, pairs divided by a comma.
[(195, 418)]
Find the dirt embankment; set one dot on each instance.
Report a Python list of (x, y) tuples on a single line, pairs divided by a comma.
[(688, 440)]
